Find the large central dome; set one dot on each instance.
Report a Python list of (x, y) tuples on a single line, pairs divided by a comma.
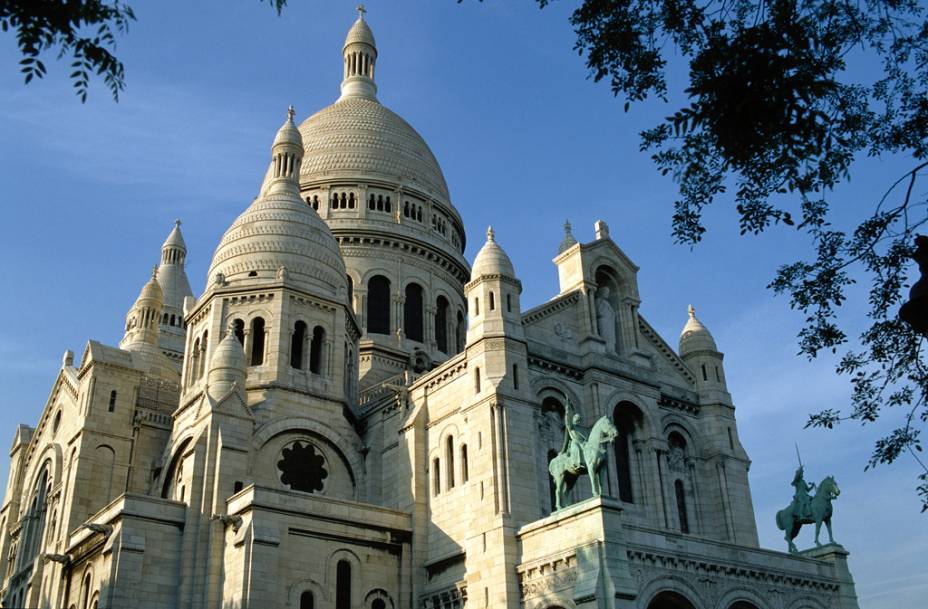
[(357, 136)]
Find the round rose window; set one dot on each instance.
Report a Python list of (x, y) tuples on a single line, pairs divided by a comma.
[(302, 467)]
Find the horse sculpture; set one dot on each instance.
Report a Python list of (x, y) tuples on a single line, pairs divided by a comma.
[(817, 511), (587, 456)]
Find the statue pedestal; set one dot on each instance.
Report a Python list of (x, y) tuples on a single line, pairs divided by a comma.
[(836, 555), (577, 554)]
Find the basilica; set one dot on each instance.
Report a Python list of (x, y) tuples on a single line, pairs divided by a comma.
[(348, 414)]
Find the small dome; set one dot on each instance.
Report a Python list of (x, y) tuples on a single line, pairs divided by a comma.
[(288, 133), (228, 354), (151, 291), (360, 32), (492, 260), (227, 366), (695, 336)]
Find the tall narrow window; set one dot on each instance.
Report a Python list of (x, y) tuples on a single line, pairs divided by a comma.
[(296, 345), (460, 333), (476, 306), (112, 406), (624, 420), (412, 312), (492, 302), (343, 585), (436, 476), (515, 376), (307, 601), (238, 328), (681, 506), (509, 303), (350, 292), (449, 461), (441, 324), (257, 341), (378, 305), (464, 465), (315, 350), (476, 380), (705, 376)]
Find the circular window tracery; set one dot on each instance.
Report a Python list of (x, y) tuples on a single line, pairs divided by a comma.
[(302, 467)]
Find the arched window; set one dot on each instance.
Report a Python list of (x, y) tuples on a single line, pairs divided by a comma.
[(343, 585), (441, 324), (461, 333), (412, 312), (351, 200), (194, 362), (257, 341), (86, 591), (238, 329), (112, 405), (315, 350), (378, 305), (449, 461), (370, 202), (296, 345), (670, 600), (626, 419), (681, 506), (378, 603), (202, 361), (464, 466), (350, 292), (307, 600), (436, 476)]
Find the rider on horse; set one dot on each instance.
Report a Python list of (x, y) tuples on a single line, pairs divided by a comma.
[(574, 441), (801, 498)]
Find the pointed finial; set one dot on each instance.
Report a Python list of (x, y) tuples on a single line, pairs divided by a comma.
[(692, 312), (154, 272), (177, 222), (568, 241), (490, 234), (567, 227), (361, 10), (290, 113)]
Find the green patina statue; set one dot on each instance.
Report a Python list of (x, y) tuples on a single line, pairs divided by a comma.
[(806, 509), (580, 455)]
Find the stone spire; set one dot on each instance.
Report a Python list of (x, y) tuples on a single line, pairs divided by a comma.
[(287, 154), (568, 241), (175, 287), (359, 55)]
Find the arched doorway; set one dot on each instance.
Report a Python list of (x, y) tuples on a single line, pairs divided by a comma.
[(670, 600)]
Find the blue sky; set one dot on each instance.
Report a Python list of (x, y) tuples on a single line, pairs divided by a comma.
[(525, 140)]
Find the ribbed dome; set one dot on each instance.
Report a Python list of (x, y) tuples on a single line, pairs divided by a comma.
[(492, 260), (279, 230), (227, 366), (356, 138), (279, 237), (151, 291), (695, 336)]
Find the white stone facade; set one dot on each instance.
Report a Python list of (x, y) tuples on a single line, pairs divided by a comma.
[(349, 416)]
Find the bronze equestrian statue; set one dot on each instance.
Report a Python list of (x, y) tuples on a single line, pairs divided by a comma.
[(806, 509)]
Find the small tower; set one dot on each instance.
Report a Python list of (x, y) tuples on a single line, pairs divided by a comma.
[(143, 318), (493, 294), (173, 281), (698, 350), (360, 56)]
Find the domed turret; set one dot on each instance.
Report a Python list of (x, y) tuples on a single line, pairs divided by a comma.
[(173, 280), (491, 259), (144, 316), (493, 294), (360, 55), (227, 367), (699, 351), (695, 336), (279, 231)]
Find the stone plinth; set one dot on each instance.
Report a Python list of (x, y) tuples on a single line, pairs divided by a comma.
[(836, 555), (577, 554)]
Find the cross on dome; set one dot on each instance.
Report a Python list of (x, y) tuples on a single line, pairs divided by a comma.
[(491, 236), (361, 10), (290, 113), (692, 311), (154, 272)]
